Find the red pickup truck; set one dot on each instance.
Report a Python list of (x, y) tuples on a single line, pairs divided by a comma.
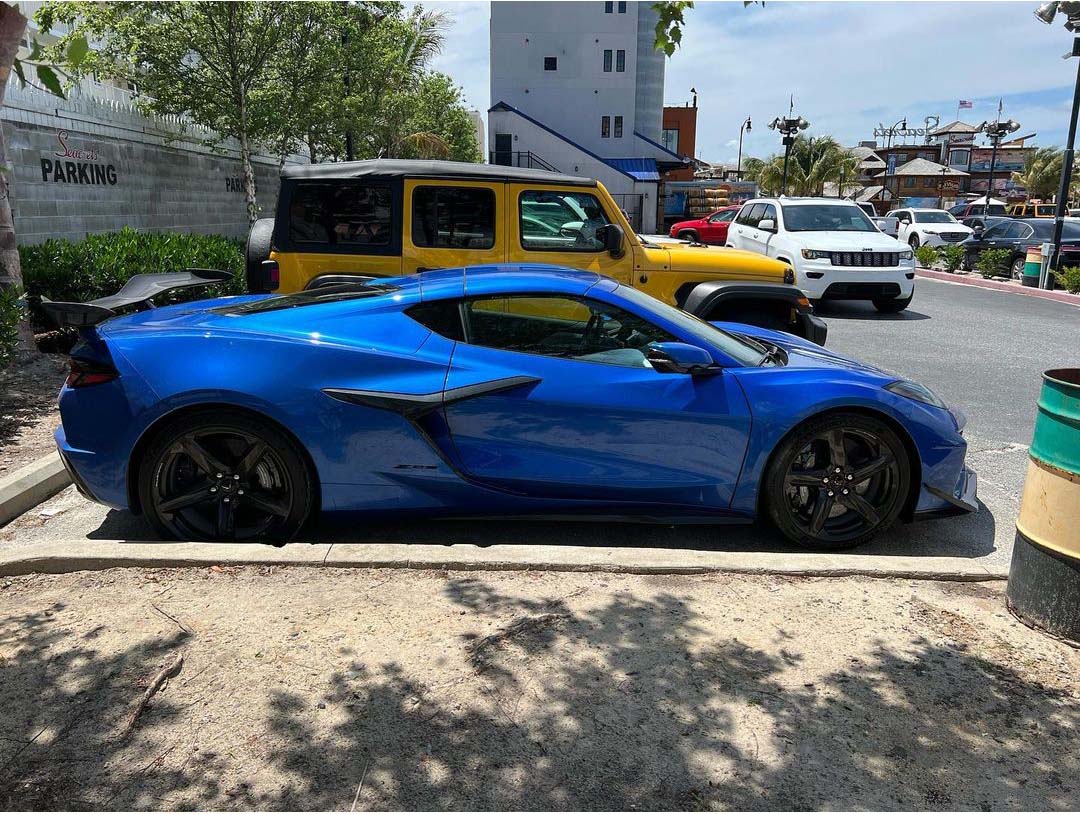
[(712, 230)]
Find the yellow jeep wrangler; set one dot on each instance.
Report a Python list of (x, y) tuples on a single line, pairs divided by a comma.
[(384, 218)]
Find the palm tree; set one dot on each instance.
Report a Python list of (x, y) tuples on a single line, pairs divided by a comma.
[(1042, 173), (813, 163)]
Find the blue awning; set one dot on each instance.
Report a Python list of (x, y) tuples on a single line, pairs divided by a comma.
[(643, 169)]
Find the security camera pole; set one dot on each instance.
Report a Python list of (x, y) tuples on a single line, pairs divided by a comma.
[(995, 131), (788, 128), (744, 128), (1046, 13)]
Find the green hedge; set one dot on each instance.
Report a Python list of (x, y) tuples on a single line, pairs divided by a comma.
[(10, 315), (101, 264)]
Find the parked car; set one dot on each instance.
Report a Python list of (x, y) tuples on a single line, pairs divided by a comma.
[(966, 209), (1017, 236), (888, 224), (384, 218), (501, 390), (978, 223), (835, 251), (711, 230), (1031, 210), (929, 227)]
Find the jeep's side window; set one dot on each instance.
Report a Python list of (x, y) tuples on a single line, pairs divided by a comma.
[(561, 221), (754, 215), (349, 213), (453, 217)]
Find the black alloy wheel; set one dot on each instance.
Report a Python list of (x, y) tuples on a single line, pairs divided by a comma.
[(1016, 271), (225, 477), (837, 482)]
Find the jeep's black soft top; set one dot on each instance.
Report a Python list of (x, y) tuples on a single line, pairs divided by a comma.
[(393, 168)]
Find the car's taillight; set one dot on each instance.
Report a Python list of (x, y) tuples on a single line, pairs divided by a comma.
[(85, 373)]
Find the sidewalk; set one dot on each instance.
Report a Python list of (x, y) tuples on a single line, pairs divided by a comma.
[(999, 285), (308, 688)]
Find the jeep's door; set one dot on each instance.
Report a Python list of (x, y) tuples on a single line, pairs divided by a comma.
[(557, 224), (453, 223)]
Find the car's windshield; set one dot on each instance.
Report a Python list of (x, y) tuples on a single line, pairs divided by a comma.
[(737, 349), (826, 218), (934, 217)]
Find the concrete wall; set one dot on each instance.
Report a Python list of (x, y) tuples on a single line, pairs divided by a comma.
[(118, 169)]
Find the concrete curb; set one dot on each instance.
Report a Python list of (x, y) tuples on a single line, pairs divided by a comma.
[(27, 487), (79, 555), (994, 285)]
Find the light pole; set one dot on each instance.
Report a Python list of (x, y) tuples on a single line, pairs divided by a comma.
[(902, 124), (1046, 14), (788, 128), (941, 188), (745, 126), (995, 131)]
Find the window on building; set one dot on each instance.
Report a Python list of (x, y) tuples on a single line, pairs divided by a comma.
[(551, 63), (605, 127), (909, 181), (453, 218), (670, 139), (348, 213), (609, 7), (959, 158), (618, 127), (607, 61), (929, 182), (622, 6), (620, 61)]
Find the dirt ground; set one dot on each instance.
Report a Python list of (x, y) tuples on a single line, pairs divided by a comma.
[(324, 689), (28, 412)]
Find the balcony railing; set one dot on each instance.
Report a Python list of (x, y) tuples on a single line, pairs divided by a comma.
[(519, 159)]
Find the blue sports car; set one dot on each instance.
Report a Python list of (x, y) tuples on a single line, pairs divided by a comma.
[(496, 390)]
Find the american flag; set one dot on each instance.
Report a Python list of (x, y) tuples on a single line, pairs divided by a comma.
[(964, 103)]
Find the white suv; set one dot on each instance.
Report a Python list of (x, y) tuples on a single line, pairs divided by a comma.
[(929, 227), (836, 252)]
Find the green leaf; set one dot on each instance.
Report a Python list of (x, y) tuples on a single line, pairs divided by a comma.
[(47, 76), (77, 50), (17, 65)]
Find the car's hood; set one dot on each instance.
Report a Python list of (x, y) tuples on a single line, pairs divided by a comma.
[(848, 241), (716, 261), (803, 354)]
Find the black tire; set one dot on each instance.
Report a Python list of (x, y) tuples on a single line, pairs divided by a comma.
[(688, 234), (845, 511), (1016, 270), (967, 263), (914, 241), (225, 476), (259, 240), (893, 306)]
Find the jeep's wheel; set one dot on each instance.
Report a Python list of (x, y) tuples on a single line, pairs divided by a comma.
[(894, 306), (257, 250), (837, 481), (225, 476)]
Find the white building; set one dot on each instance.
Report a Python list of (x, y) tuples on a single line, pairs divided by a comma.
[(579, 88)]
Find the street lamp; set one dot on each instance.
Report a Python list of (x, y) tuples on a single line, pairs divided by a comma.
[(995, 131), (902, 124), (788, 128), (941, 188), (744, 127), (1046, 14)]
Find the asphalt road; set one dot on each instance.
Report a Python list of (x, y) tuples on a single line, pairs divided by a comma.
[(979, 349)]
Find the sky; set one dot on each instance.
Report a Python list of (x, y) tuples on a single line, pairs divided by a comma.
[(849, 65)]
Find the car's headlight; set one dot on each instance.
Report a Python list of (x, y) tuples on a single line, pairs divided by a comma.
[(906, 254), (917, 392), (814, 254)]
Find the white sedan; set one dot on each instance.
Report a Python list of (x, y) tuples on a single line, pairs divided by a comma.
[(929, 227)]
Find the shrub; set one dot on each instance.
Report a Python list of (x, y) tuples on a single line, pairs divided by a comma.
[(11, 313), (952, 255), (926, 256), (994, 262), (1069, 279), (101, 264)]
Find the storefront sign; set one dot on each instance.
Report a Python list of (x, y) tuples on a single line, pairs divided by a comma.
[(84, 169)]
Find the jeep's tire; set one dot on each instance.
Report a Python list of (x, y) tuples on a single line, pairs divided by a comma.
[(259, 240), (893, 306), (836, 481)]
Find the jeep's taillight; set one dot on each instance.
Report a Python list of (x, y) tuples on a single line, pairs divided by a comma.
[(85, 373)]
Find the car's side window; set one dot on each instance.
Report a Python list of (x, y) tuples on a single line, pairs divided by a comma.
[(769, 213), (354, 214), (562, 326), (722, 217), (453, 217), (754, 216), (1017, 230), (441, 316), (561, 221), (998, 230)]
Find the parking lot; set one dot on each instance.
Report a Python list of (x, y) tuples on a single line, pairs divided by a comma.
[(979, 349)]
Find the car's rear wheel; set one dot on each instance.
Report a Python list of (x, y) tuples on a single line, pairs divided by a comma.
[(225, 476), (687, 234), (837, 481)]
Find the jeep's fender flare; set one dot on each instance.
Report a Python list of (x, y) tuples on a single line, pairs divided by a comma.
[(704, 297)]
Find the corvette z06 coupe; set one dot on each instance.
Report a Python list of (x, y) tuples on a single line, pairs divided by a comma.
[(495, 390)]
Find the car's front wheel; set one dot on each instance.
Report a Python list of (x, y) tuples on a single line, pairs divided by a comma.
[(225, 476), (1016, 270), (837, 481), (687, 234), (892, 306), (913, 241)]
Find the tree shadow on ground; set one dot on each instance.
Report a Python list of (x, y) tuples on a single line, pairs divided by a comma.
[(634, 703)]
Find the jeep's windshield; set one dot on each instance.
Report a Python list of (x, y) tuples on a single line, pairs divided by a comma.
[(314, 296), (826, 218), (934, 217)]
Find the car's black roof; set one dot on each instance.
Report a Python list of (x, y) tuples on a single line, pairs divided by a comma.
[(393, 168)]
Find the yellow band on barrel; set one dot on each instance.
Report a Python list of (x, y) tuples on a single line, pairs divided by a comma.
[(1050, 508)]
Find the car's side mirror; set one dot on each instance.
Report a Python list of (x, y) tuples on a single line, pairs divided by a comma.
[(612, 236), (767, 225), (679, 357), (978, 228)]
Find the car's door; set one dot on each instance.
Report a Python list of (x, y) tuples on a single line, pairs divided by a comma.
[(759, 237), (904, 222), (453, 223), (715, 228), (744, 224), (583, 415)]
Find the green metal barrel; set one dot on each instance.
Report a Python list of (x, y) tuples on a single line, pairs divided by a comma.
[(1044, 579), (1032, 266)]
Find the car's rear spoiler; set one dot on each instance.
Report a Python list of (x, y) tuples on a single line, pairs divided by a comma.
[(136, 294)]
